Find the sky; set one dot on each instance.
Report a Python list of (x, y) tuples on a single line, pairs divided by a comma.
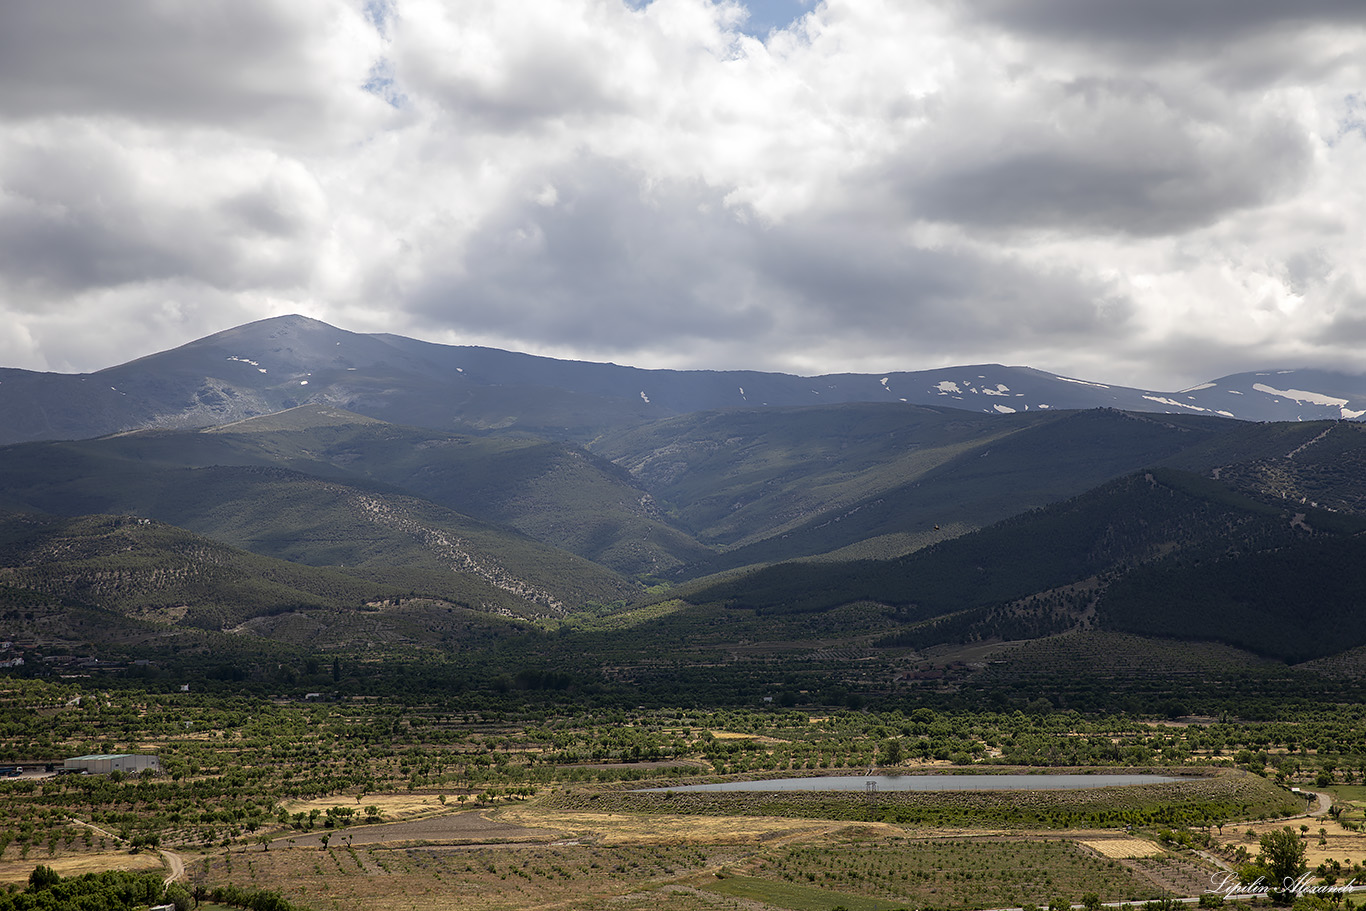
[(1152, 194)]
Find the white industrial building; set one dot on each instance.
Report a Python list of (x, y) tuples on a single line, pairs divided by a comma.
[(104, 763)]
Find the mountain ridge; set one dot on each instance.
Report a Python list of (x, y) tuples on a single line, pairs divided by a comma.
[(682, 521), (275, 364)]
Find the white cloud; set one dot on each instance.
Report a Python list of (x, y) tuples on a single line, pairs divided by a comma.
[(881, 185), (89, 207), (281, 69)]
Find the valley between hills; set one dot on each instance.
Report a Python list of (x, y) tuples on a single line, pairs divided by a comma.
[(405, 627)]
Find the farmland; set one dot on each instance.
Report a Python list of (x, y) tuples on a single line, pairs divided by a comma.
[(352, 803)]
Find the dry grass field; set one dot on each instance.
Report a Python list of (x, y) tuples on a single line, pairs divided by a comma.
[(466, 828), (1342, 845), (393, 806), (1122, 848), (18, 871), (661, 829)]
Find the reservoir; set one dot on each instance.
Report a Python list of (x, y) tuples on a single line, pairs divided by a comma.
[(929, 783)]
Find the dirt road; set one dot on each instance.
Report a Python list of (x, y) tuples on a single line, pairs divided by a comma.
[(175, 864)]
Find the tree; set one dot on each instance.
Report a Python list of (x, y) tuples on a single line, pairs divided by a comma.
[(42, 877), (177, 895), (1282, 853)]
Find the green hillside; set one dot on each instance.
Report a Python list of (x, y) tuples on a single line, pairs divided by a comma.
[(1294, 603), (123, 587), (770, 486), (1040, 572), (735, 477), (552, 492), (858, 533), (1322, 463), (305, 519), (146, 570)]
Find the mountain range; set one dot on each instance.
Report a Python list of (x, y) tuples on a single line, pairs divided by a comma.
[(275, 364), (291, 483)]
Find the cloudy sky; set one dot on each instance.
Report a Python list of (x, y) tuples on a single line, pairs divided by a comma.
[(1150, 193)]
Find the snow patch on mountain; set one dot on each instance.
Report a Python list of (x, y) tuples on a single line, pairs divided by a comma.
[(1299, 395), (1311, 398), (1081, 383), (1163, 400), (1068, 379)]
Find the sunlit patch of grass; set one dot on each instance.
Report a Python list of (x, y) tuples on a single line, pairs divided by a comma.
[(623, 620), (18, 871), (798, 898)]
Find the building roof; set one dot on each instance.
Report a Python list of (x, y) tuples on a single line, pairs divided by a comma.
[(109, 756)]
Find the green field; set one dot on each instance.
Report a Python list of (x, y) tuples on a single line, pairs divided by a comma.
[(427, 803), (798, 898)]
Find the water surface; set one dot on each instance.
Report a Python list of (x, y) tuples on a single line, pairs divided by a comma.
[(1011, 782)]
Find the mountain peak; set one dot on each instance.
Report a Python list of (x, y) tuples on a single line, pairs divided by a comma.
[(301, 417), (280, 363)]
